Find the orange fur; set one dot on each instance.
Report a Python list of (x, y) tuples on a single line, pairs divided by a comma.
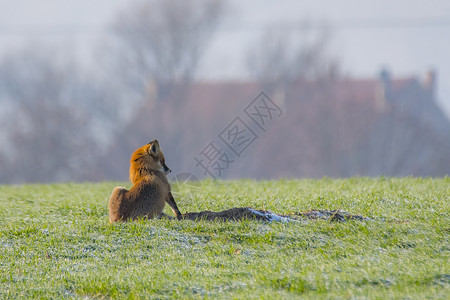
[(150, 190)]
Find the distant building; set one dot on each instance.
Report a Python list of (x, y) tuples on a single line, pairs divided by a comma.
[(332, 127)]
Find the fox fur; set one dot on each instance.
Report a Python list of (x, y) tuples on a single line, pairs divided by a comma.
[(150, 190)]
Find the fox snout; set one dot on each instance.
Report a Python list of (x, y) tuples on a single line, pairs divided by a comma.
[(166, 169)]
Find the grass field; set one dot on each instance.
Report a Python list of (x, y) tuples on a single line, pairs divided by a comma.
[(55, 241)]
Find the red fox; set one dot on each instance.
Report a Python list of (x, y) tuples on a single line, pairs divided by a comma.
[(150, 190)]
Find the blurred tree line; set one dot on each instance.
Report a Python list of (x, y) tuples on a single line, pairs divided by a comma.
[(57, 120), (60, 122)]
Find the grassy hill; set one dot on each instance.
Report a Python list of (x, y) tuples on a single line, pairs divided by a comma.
[(55, 241)]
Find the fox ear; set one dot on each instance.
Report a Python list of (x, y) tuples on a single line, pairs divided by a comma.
[(154, 148)]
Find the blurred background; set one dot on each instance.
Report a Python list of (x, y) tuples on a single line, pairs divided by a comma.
[(350, 88)]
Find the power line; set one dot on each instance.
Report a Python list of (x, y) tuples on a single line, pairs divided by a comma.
[(369, 23), (394, 23), (343, 24)]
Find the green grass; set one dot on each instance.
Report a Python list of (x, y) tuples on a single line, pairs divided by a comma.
[(55, 241)]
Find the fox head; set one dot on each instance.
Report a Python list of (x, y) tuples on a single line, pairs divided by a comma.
[(147, 158)]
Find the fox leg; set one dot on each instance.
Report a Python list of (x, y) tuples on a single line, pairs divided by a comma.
[(173, 205)]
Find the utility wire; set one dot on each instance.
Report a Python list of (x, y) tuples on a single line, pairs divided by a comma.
[(344, 24)]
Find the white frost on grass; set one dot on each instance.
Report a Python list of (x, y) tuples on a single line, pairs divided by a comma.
[(273, 217)]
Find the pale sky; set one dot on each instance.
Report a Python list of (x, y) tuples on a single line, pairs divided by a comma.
[(406, 36)]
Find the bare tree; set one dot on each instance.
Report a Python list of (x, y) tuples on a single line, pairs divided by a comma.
[(159, 43), (401, 144), (280, 57), (154, 52), (285, 63), (47, 131)]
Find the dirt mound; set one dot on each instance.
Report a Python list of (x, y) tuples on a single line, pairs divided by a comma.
[(329, 215), (247, 213)]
